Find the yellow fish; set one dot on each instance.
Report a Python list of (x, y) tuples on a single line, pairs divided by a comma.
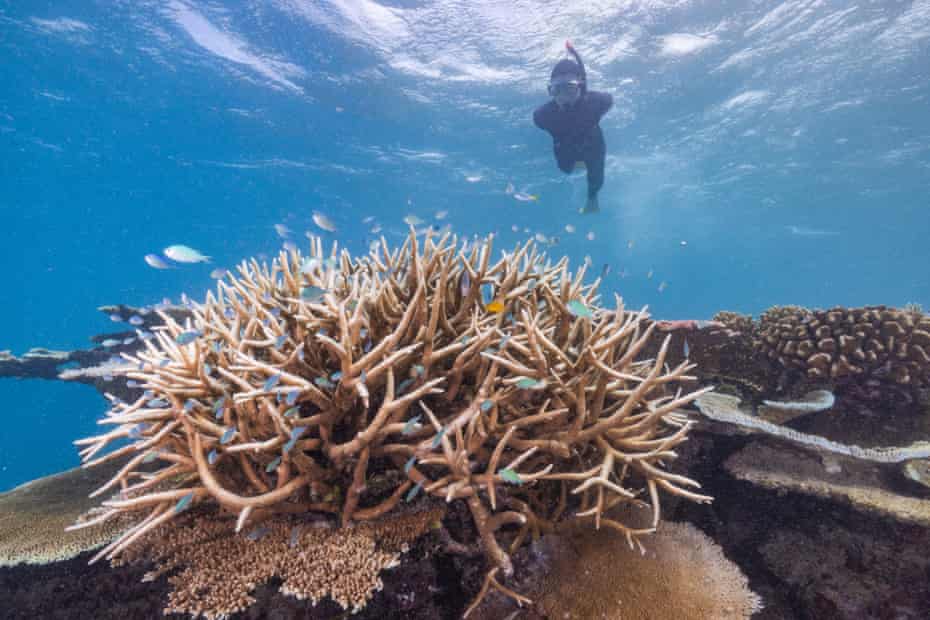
[(496, 306)]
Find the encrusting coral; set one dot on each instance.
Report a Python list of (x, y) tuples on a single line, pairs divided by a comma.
[(350, 387), (216, 572), (683, 575)]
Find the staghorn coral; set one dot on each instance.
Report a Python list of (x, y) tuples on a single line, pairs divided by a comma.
[(683, 575), (348, 386)]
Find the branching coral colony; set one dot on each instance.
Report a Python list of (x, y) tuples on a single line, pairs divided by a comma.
[(427, 369)]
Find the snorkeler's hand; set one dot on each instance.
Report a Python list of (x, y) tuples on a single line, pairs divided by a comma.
[(568, 45)]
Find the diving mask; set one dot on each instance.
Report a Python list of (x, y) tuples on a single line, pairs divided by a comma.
[(565, 91)]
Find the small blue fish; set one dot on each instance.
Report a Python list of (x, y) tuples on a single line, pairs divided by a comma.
[(148, 394), (528, 383), (295, 435), (409, 464), (418, 369), (189, 405), (323, 382), (164, 363), (411, 425), (207, 369), (136, 431), (403, 386), (279, 341), (487, 404), (271, 382), (258, 534), (336, 376), (229, 313), (362, 333), (213, 456), (158, 403), (273, 465), (151, 456), (291, 412), (109, 343), (136, 320), (218, 406), (510, 476), (363, 376), (295, 536), (686, 349), (116, 318), (275, 312), (312, 294), (157, 262), (187, 337), (578, 309), (128, 341), (228, 435), (146, 335), (438, 438), (292, 397), (132, 383), (184, 503), (413, 491)]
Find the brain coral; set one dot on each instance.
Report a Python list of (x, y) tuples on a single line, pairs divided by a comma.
[(849, 342), (352, 386)]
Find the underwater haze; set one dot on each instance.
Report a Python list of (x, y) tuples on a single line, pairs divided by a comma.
[(757, 154)]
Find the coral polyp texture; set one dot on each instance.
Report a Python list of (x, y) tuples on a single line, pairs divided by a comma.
[(359, 387), (849, 342)]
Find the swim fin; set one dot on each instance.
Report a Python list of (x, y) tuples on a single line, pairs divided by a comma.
[(591, 206)]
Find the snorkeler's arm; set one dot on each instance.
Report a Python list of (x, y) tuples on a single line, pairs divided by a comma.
[(602, 101), (571, 49), (540, 118)]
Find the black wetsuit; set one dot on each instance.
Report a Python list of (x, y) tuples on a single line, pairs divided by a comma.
[(576, 135)]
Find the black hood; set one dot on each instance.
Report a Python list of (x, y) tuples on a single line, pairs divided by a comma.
[(567, 66)]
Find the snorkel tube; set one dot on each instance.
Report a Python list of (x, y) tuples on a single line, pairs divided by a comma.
[(584, 75)]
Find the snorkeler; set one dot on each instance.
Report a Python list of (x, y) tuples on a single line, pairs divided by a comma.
[(572, 118)]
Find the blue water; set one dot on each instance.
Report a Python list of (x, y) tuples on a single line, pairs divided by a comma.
[(788, 146)]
